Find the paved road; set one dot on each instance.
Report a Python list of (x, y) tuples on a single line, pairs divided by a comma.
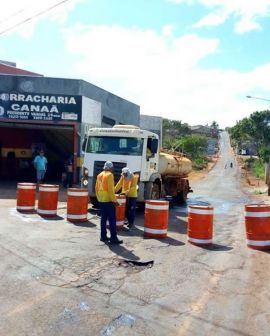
[(58, 279)]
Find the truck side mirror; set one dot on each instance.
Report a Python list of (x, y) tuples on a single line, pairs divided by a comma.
[(154, 146)]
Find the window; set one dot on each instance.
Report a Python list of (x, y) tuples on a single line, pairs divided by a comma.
[(108, 121), (115, 145)]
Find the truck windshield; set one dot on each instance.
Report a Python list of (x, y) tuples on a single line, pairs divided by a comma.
[(114, 145)]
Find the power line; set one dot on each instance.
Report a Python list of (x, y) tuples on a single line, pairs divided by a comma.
[(33, 17), (12, 15)]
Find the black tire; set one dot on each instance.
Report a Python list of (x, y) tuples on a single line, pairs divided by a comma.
[(181, 198), (94, 202), (155, 192)]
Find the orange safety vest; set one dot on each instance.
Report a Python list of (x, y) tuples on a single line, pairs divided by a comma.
[(105, 187), (128, 186)]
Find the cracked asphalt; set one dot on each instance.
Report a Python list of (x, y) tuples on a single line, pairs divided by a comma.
[(58, 279)]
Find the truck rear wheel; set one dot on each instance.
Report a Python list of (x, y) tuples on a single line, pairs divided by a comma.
[(155, 192), (181, 197)]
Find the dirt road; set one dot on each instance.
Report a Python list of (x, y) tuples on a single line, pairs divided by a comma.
[(58, 279)]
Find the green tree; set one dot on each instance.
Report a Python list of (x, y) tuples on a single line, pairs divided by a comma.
[(194, 145), (173, 130), (253, 130)]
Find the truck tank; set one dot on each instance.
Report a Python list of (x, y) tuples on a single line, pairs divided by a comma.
[(174, 165)]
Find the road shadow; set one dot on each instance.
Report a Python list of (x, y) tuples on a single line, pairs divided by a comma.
[(8, 190), (123, 252), (136, 232), (94, 211), (214, 247), (87, 224), (168, 240), (32, 212), (53, 218), (264, 251)]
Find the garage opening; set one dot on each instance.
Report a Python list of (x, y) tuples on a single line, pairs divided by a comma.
[(20, 143)]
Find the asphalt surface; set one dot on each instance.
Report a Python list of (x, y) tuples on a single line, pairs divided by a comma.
[(59, 279)]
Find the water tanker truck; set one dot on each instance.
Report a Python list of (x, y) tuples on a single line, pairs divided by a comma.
[(162, 174)]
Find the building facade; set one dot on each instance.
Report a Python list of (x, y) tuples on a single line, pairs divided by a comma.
[(52, 114)]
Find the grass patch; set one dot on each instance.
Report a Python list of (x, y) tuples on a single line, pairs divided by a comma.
[(200, 163)]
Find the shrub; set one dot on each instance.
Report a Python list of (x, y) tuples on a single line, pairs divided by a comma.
[(200, 163), (256, 166)]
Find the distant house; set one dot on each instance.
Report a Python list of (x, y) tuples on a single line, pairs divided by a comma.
[(204, 130), (247, 148), (212, 146)]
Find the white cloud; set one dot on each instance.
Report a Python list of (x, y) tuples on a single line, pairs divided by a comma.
[(162, 74), (245, 25), (247, 13), (212, 19), (167, 30), (14, 12)]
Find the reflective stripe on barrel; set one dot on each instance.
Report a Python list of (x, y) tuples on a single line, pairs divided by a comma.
[(156, 218), (120, 212), (77, 204), (200, 224), (26, 197), (257, 221), (47, 200)]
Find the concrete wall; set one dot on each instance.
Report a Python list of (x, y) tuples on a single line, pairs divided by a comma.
[(112, 106), (152, 124)]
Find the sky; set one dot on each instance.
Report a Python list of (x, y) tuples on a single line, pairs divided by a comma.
[(189, 60)]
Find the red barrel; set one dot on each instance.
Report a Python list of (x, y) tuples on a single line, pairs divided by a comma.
[(200, 224), (120, 211), (257, 220), (77, 205), (26, 197), (47, 200), (156, 218)]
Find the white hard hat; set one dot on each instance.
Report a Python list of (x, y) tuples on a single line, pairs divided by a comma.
[(108, 165), (126, 170)]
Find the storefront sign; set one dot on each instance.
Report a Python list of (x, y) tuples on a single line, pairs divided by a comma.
[(45, 107)]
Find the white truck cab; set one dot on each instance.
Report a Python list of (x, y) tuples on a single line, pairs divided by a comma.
[(126, 146)]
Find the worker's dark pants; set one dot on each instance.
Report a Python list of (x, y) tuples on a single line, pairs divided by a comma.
[(68, 181), (107, 212), (131, 209)]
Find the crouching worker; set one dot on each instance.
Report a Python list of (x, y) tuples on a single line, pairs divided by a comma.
[(129, 185), (108, 202)]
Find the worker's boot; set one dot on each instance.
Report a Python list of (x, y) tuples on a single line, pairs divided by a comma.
[(116, 241), (104, 240)]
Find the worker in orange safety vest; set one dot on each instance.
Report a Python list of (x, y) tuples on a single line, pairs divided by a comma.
[(108, 202), (129, 185)]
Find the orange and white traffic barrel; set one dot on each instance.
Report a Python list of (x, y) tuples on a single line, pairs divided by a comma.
[(156, 217), (120, 211), (47, 200), (26, 197), (77, 204), (200, 224), (257, 220)]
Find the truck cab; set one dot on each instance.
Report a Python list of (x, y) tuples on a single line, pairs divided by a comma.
[(124, 145)]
